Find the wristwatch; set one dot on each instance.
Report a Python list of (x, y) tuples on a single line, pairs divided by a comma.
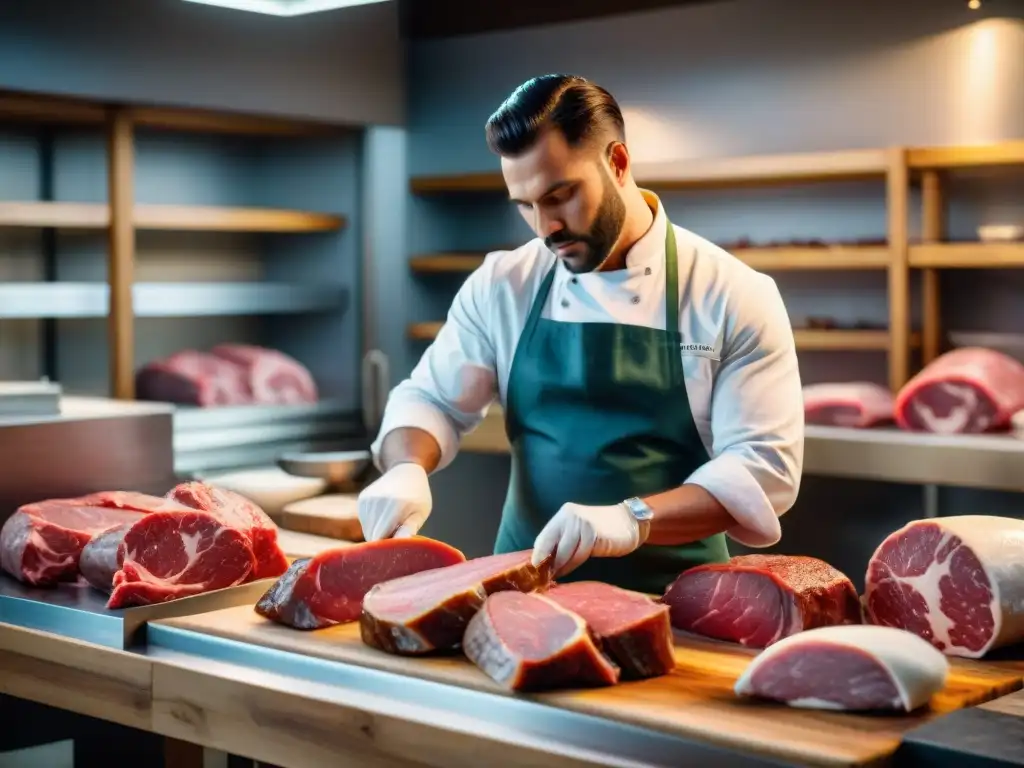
[(642, 513)]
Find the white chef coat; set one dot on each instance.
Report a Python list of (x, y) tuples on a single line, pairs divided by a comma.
[(739, 360)]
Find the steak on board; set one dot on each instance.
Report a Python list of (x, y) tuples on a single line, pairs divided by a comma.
[(528, 642), (858, 404), (429, 611), (633, 630), (847, 668), (329, 588), (756, 600), (41, 543), (957, 582), (967, 390)]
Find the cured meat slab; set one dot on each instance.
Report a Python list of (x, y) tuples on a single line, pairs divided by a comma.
[(329, 588), (857, 404), (696, 701), (429, 611), (957, 582), (967, 390), (756, 600), (41, 543), (633, 630), (527, 642), (847, 668)]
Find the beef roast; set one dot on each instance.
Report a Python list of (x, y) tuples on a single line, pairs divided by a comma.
[(329, 588), (527, 642), (274, 378), (957, 582), (633, 630), (858, 404), (967, 390), (756, 600), (236, 510), (429, 611), (847, 668), (41, 543)]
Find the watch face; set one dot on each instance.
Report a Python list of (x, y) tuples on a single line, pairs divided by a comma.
[(640, 510)]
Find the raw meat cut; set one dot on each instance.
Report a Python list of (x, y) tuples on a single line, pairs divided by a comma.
[(230, 374), (41, 543), (756, 600), (190, 377), (329, 588), (957, 582), (527, 642), (101, 558), (137, 502), (168, 555), (859, 404), (633, 630), (234, 509), (968, 390), (847, 668), (274, 377), (429, 611)]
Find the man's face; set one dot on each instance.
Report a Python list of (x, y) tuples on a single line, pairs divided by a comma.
[(569, 198)]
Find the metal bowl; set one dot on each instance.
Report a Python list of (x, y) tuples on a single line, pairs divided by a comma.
[(333, 466)]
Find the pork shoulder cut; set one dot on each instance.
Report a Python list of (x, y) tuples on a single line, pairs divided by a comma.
[(859, 404), (329, 588), (847, 668), (756, 600), (429, 611), (957, 582), (633, 630), (528, 642), (967, 390), (41, 543)]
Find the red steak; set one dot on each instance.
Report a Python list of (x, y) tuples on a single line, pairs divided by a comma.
[(756, 600), (429, 611), (527, 642), (633, 630), (329, 588)]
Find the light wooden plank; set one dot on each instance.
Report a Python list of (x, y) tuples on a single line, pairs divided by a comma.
[(34, 108), (39, 214), (213, 219), (202, 121), (897, 200), (446, 262), (967, 255), (121, 255), (967, 156), (75, 676), (1011, 704), (424, 331), (932, 228)]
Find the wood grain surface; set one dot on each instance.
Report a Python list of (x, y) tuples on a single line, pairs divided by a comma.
[(334, 516), (695, 701), (297, 544)]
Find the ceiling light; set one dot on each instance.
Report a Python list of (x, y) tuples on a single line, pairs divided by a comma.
[(974, 4), (284, 7)]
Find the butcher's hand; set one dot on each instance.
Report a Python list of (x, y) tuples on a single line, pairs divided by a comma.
[(396, 504), (577, 533)]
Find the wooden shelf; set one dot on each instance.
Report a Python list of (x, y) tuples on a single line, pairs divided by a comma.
[(707, 174), (446, 262), (33, 108), (967, 255), (423, 331), (167, 217), (968, 156)]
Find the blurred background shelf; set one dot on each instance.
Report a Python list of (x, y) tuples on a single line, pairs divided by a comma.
[(967, 255)]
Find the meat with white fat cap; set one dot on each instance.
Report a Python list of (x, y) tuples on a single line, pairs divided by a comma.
[(849, 668)]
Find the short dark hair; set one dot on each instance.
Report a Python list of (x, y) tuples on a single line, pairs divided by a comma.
[(572, 104)]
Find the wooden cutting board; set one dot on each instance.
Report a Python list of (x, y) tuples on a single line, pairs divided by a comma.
[(334, 516), (695, 701), (296, 544)]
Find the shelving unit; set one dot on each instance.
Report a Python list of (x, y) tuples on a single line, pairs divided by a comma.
[(889, 166)]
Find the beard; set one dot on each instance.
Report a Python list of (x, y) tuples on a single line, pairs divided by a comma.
[(597, 243)]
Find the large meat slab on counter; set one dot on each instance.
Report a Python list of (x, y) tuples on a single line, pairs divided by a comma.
[(857, 404), (229, 374), (855, 668), (757, 600), (957, 582), (143, 549), (329, 588)]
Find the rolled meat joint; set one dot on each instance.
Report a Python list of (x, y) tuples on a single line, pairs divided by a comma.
[(858, 404), (854, 668), (957, 582), (757, 600), (968, 390)]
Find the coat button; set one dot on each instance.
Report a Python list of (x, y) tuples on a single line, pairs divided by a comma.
[(636, 299), (565, 302), (574, 280), (647, 271)]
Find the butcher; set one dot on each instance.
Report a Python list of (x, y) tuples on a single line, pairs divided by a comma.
[(648, 378)]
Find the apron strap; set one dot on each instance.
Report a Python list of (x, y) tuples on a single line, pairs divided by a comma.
[(537, 309), (671, 280)]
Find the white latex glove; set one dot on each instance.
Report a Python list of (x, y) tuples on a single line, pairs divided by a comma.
[(396, 504), (577, 533)]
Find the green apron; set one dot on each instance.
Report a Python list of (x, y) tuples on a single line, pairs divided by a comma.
[(597, 413)]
